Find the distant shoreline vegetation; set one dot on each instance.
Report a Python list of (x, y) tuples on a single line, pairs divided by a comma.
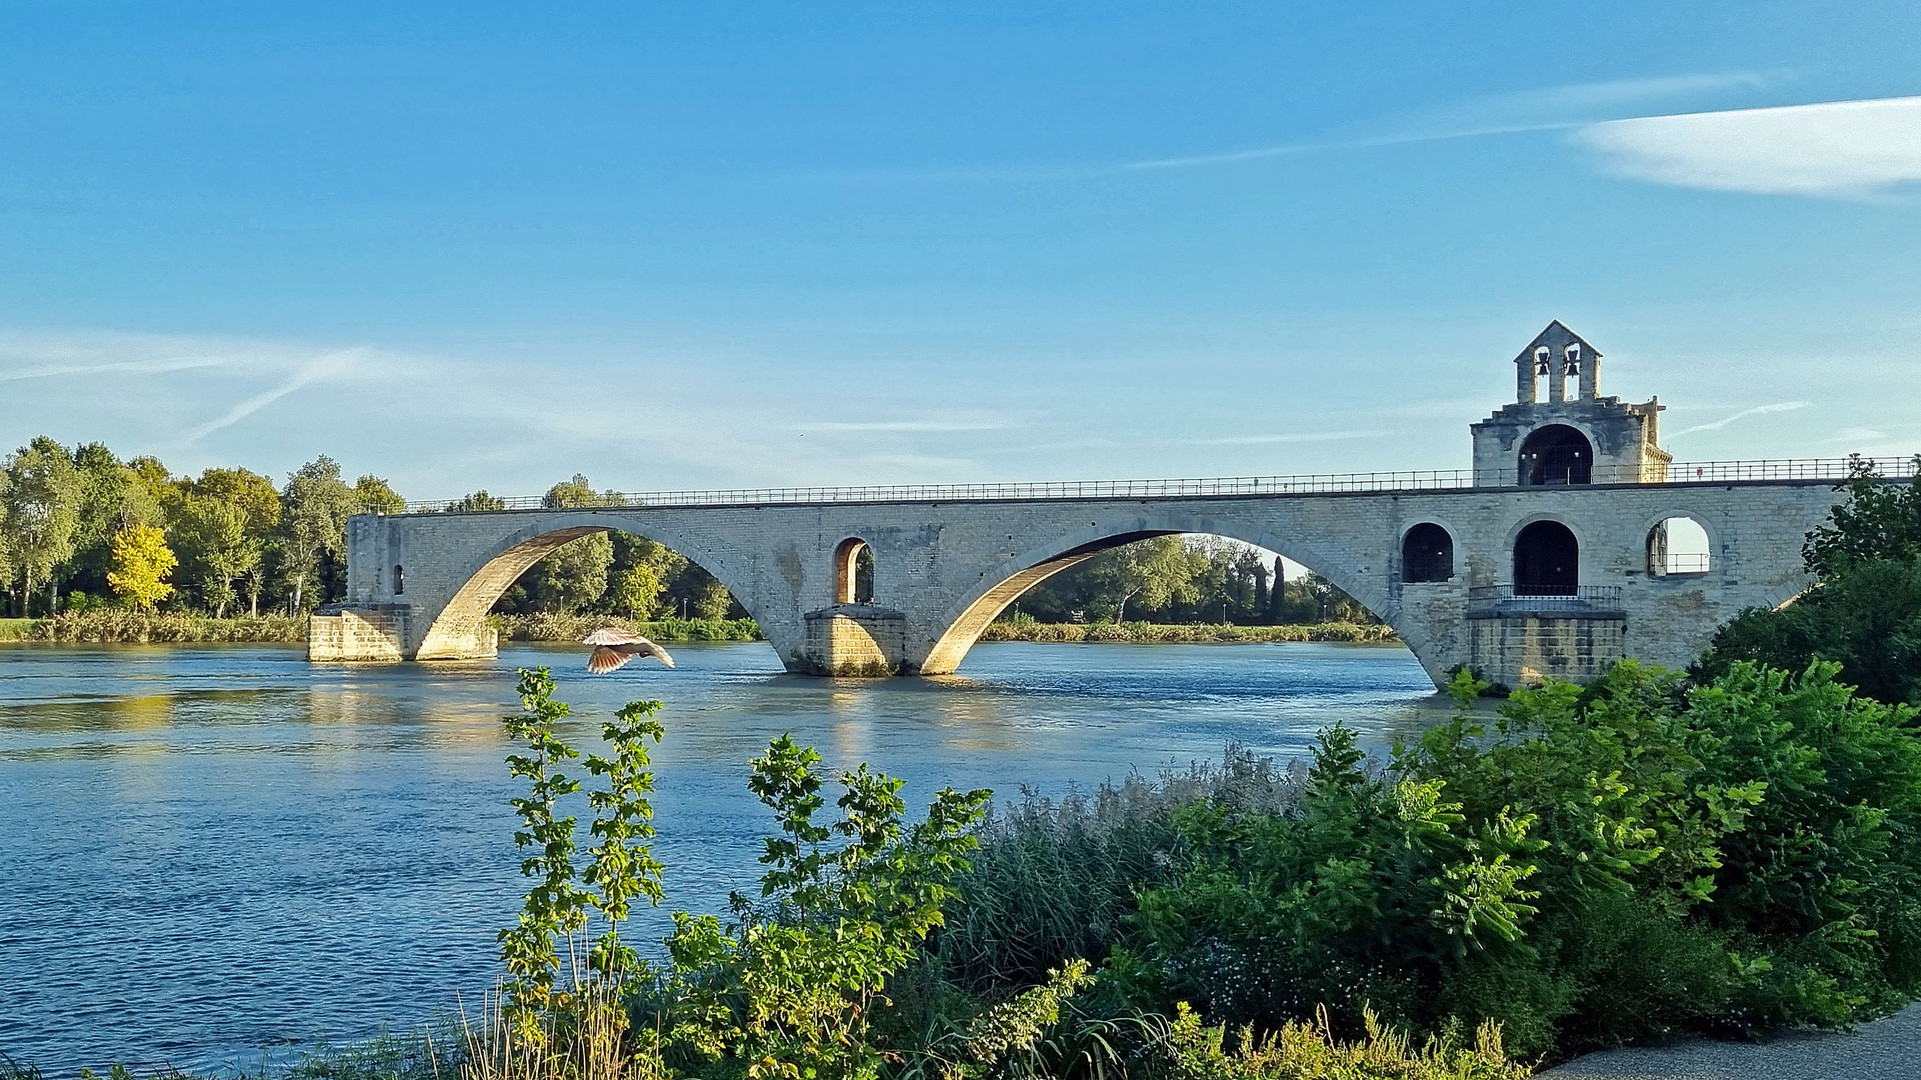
[(114, 626), (1021, 629)]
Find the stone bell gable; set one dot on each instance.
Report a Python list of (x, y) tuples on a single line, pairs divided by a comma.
[(1582, 438)]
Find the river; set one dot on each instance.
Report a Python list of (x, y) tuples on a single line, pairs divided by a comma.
[(212, 853)]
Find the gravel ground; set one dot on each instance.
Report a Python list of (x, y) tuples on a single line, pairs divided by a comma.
[(1884, 1050)]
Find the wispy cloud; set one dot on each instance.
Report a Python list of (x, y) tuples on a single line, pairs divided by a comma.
[(902, 425), (159, 366), (1758, 410), (321, 367), (1550, 108), (1291, 437)]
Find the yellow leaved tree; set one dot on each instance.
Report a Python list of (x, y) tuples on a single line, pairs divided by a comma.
[(141, 563)]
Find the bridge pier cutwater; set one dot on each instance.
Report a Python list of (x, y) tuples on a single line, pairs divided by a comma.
[(1548, 558)]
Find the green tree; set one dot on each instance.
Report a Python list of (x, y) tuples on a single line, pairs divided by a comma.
[(636, 590), (1864, 614), (216, 546), (41, 513), (479, 500), (372, 495), (1154, 571), (575, 575), (259, 503), (313, 525), (111, 498), (141, 563)]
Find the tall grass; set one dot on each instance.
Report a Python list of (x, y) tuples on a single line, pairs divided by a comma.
[(1052, 880), (115, 626)]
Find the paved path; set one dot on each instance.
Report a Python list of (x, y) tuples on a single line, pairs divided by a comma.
[(1884, 1050)]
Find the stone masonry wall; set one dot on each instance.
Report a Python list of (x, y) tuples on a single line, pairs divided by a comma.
[(939, 563)]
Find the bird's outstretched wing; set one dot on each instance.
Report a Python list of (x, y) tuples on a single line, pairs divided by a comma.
[(609, 655)]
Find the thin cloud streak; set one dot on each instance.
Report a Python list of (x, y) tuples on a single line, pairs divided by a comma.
[(313, 371), (1759, 410), (1302, 437), (902, 426), (144, 367)]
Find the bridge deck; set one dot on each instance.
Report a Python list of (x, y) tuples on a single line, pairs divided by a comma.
[(1774, 471)]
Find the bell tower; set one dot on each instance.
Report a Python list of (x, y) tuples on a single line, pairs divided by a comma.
[(1579, 439)]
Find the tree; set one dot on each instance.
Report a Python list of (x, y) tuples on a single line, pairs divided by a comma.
[(213, 538), (1864, 614), (373, 496), (141, 564), (111, 498), (42, 509), (479, 500), (1155, 570), (259, 504), (636, 590), (313, 526), (575, 575)]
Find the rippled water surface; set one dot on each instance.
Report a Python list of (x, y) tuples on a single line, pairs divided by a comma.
[(211, 852)]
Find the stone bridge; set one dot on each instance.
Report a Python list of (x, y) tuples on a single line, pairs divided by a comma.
[(1550, 557)]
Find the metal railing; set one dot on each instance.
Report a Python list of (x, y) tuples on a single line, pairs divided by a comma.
[(1699, 562), (1572, 599), (1231, 486)]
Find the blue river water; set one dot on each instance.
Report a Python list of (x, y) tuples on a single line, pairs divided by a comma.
[(212, 853)]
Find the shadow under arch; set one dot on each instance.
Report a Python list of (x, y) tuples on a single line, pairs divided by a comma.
[(968, 618), (486, 577)]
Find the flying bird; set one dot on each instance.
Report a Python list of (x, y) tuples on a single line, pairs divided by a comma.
[(614, 647)]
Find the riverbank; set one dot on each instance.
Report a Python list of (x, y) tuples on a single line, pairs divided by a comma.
[(144, 628), (1159, 633)]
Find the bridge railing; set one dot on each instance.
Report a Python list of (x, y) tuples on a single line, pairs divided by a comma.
[(1311, 484), (1544, 600)]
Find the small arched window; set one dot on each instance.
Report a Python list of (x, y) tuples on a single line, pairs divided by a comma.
[(1427, 554), (853, 572), (400, 580), (1547, 560), (1556, 454), (1678, 545)]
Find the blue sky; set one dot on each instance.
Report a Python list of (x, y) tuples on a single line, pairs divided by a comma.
[(729, 245)]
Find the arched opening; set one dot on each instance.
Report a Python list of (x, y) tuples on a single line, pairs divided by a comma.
[(400, 580), (1427, 554), (1678, 547), (1546, 560), (1556, 454), (853, 572), (1179, 577)]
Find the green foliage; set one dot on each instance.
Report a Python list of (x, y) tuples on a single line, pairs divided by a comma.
[(1866, 612), (216, 546), (1584, 867), (313, 527), (39, 511), (787, 987), (537, 1006), (1309, 1051)]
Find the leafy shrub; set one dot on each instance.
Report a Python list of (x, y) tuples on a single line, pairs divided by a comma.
[(1593, 866), (120, 626)]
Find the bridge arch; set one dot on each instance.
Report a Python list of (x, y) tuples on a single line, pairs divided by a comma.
[(963, 622), (487, 574)]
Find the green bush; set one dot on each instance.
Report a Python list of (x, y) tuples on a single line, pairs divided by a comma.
[(1593, 866), (549, 626)]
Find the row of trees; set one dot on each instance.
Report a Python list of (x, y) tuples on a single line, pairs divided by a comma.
[(1176, 579), (609, 573), (82, 525)]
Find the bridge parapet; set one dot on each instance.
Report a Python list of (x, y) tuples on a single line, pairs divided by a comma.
[(1767, 470)]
